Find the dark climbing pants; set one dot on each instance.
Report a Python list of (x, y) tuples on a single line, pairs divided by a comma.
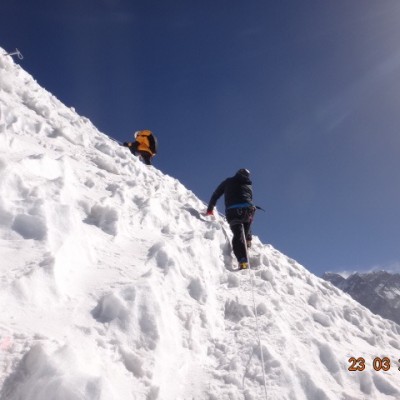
[(146, 157), (237, 217)]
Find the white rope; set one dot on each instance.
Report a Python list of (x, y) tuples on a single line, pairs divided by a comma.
[(15, 53), (255, 312)]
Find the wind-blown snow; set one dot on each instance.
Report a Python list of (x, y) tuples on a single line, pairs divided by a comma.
[(113, 286)]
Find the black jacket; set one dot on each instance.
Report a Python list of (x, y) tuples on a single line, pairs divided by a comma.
[(237, 190)]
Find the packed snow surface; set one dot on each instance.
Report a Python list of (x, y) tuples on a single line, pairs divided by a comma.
[(114, 286)]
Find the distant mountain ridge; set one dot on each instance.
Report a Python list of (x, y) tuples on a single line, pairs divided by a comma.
[(379, 291)]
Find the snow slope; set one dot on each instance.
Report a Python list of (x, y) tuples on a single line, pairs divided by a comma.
[(113, 285)]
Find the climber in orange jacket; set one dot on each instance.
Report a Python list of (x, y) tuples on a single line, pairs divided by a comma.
[(145, 145)]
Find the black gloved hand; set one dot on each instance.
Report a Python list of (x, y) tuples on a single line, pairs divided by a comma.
[(126, 144)]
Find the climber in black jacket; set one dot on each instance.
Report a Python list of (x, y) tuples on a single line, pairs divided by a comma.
[(238, 194)]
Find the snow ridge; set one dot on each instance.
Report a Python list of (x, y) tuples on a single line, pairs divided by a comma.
[(113, 285)]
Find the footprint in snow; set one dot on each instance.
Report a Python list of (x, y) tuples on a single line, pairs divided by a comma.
[(235, 311), (30, 227), (105, 218), (197, 291), (106, 164)]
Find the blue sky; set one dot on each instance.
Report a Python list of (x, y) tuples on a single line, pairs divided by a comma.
[(305, 94)]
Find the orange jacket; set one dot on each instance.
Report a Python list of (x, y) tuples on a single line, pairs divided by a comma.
[(145, 141), (142, 137)]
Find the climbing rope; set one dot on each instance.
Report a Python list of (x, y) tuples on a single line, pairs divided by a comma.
[(15, 53), (255, 312), (254, 303)]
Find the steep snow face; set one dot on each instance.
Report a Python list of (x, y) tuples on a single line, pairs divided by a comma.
[(114, 286)]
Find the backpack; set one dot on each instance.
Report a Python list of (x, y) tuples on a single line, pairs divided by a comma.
[(151, 139)]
